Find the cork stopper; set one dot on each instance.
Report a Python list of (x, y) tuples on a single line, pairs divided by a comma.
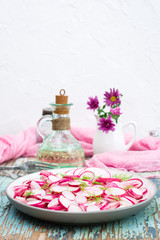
[(61, 99)]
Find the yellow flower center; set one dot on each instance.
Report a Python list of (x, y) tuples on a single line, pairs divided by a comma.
[(113, 98)]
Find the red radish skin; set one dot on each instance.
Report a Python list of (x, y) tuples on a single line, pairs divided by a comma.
[(144, 190), (74, 184), (104, 205), (47, 198)]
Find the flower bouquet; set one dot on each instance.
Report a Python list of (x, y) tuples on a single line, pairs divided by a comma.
[(109, 112)]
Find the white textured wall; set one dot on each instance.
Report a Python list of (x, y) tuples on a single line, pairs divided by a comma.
[(84, 46)]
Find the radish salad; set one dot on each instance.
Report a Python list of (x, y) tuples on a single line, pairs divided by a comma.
[(81, 190)]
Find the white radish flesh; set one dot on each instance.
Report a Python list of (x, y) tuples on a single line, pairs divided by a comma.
[(92, 208), (53, 203), (81, 199), (115, 191), (74, 208), (69, 195)]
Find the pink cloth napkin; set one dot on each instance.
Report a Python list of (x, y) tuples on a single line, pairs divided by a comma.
[(144, 155)]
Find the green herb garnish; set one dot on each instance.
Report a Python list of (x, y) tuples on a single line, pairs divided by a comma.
[(98, 183), (28, 193), (86, 178), (123, 177), (116, 198), (94, 198), (83, 185), (45, 185)]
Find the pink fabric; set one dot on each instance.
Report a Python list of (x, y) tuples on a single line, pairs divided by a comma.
[(22, 144), (144, 155)]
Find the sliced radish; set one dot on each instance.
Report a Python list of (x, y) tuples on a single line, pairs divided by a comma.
[(33, 202), (46, 173), (142, 200), (134, 192), (115, 191), (69, 195), (65, 202), (26, 182), (135, 182), (99, 172), (39, 192), (21, 199), (53, 203), (58, 208), (70, 172), (108, 180), (129, 199), (74, 183), (48, 198), (34, 185), (111, 185), (78, 171), (143, 190), (59, 188), (74, 208), (112, 205), (125, 204), (88, 175), (53, 179), (92, 191), (104, 205), (92, 208), (81, 199)]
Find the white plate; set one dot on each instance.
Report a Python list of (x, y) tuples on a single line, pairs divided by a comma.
[(84, 217)]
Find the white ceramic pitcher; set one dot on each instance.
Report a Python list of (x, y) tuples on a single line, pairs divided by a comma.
[(113, 140)]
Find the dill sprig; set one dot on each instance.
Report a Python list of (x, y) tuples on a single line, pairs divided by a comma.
[(123, 177), (94, 198), (83, 185), (45, 186), (86, 178), (28, 193), (116, 197)]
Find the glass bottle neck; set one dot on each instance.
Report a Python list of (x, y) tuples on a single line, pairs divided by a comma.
[(57, 116)]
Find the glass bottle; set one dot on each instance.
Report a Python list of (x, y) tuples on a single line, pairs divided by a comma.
[(60, 146)]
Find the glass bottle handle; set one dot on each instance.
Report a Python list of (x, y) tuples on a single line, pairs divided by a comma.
[(39, 124)]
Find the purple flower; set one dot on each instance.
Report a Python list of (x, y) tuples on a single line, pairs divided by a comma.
[(106, 124), (93, 103), (115, 111), (112, 97)]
